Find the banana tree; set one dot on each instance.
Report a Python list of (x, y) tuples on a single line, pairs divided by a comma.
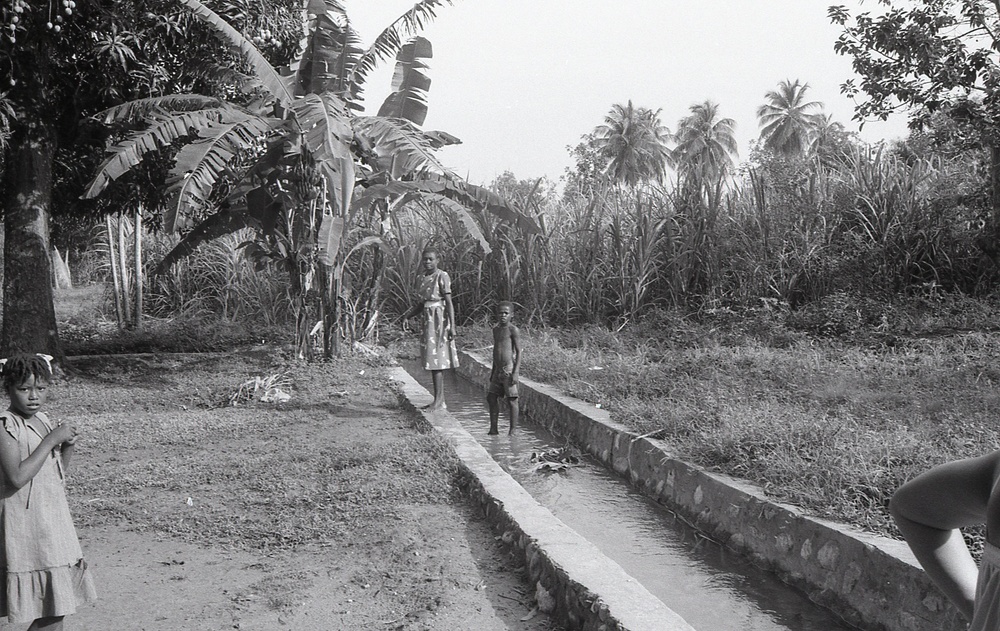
[(289, 159)]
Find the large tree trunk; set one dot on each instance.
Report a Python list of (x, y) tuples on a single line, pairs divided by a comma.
[(29, 319)]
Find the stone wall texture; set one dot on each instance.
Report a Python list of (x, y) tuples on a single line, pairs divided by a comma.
[(872, 582), (588, 590)]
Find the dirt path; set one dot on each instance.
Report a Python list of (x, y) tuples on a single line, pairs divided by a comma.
[(442, 570), (331, 512)]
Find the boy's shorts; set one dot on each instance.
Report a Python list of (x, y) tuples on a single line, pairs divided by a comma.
[(500, 385)]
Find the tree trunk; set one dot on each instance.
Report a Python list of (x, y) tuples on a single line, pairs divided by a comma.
[(137, 250), (29, 319), (326, 283), (116, 285), (123, 270)]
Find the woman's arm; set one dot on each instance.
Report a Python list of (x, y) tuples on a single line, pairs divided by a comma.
[(451, 316), (19, 472), (414, 310), (929, 510)]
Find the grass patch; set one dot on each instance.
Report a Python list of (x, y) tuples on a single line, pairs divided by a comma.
[(168, 454), (826, 423), (830, 408)]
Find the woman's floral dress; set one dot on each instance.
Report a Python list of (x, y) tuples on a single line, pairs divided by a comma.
[(437, 351)]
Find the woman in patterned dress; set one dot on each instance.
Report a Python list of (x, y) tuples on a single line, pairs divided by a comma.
[(437, 338)]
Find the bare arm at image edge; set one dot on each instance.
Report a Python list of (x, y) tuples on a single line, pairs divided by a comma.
[(930, 509)]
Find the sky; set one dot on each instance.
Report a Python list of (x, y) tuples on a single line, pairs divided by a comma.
[(519, 81)]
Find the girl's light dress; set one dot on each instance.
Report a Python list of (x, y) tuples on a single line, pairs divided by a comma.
[(43, 565), (436, 350)]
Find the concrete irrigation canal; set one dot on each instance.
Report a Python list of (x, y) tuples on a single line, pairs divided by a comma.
[(631, 539)]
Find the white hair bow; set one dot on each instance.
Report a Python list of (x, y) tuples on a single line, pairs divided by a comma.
[(47, 359)]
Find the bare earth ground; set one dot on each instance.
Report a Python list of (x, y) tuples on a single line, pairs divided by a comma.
[(334, 510)]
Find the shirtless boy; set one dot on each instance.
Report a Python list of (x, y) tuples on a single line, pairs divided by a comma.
[(506, 363)]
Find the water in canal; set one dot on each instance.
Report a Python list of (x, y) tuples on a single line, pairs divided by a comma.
[(710, 587)]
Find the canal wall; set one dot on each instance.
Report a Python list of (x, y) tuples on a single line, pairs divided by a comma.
[(589, 591), (872, 582)]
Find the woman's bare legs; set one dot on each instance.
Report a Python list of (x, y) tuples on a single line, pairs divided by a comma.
[(437, 376)]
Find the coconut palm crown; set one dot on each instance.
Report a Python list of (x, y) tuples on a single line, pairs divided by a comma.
[(706, 144), (788, 122), (634, 143)]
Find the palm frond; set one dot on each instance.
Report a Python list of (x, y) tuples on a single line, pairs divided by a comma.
[(390, 40), (397, 139), (199, 165), (329, 238), (141, 108), (272, 80), (440, 139), (408, 99), (338, 175), (463, 214), (214, 226), (324, 122), (331, 48), (227, 75), (163, 131), (473, 196), (469, 195)]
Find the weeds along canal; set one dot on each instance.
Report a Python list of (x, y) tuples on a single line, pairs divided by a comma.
[(706, 584)]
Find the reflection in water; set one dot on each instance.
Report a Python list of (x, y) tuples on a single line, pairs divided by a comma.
[(710, 587)]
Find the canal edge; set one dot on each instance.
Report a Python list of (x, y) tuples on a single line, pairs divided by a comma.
[(872, 582), (590, 590)]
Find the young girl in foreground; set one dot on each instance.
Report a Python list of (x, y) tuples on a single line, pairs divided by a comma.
[(929, 510), (45, 574)]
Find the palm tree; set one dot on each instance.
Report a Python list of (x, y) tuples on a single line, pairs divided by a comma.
[(831, 143), (706, 144), (294, 161), (704, 154), (788, 122), (634, 143)]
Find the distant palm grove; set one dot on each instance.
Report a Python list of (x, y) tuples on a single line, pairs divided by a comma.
[(650, 218)]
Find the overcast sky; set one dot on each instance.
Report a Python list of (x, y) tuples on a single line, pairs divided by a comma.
[(520, 80)]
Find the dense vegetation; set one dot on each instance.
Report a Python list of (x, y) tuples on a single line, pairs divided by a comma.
[(817, 317)]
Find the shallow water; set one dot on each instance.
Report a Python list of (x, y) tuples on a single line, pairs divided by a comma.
[(710, 587)]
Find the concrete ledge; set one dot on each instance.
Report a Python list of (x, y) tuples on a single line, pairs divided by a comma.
[(591, 591), (872, 582)]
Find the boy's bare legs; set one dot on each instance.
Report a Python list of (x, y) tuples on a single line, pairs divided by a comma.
[(494, 402), (47, 624), (437, 377), (515, 413)]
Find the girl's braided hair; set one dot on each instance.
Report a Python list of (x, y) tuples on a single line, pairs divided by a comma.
[(16, 369)]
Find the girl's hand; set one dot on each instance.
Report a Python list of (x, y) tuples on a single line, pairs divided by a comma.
[(65, 433)]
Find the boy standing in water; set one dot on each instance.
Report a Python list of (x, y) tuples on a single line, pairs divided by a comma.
[(506, 363)]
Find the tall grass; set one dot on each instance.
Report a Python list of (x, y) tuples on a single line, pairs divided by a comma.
[(873, 223), (216, 280), (833, 429), (795, 233)]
